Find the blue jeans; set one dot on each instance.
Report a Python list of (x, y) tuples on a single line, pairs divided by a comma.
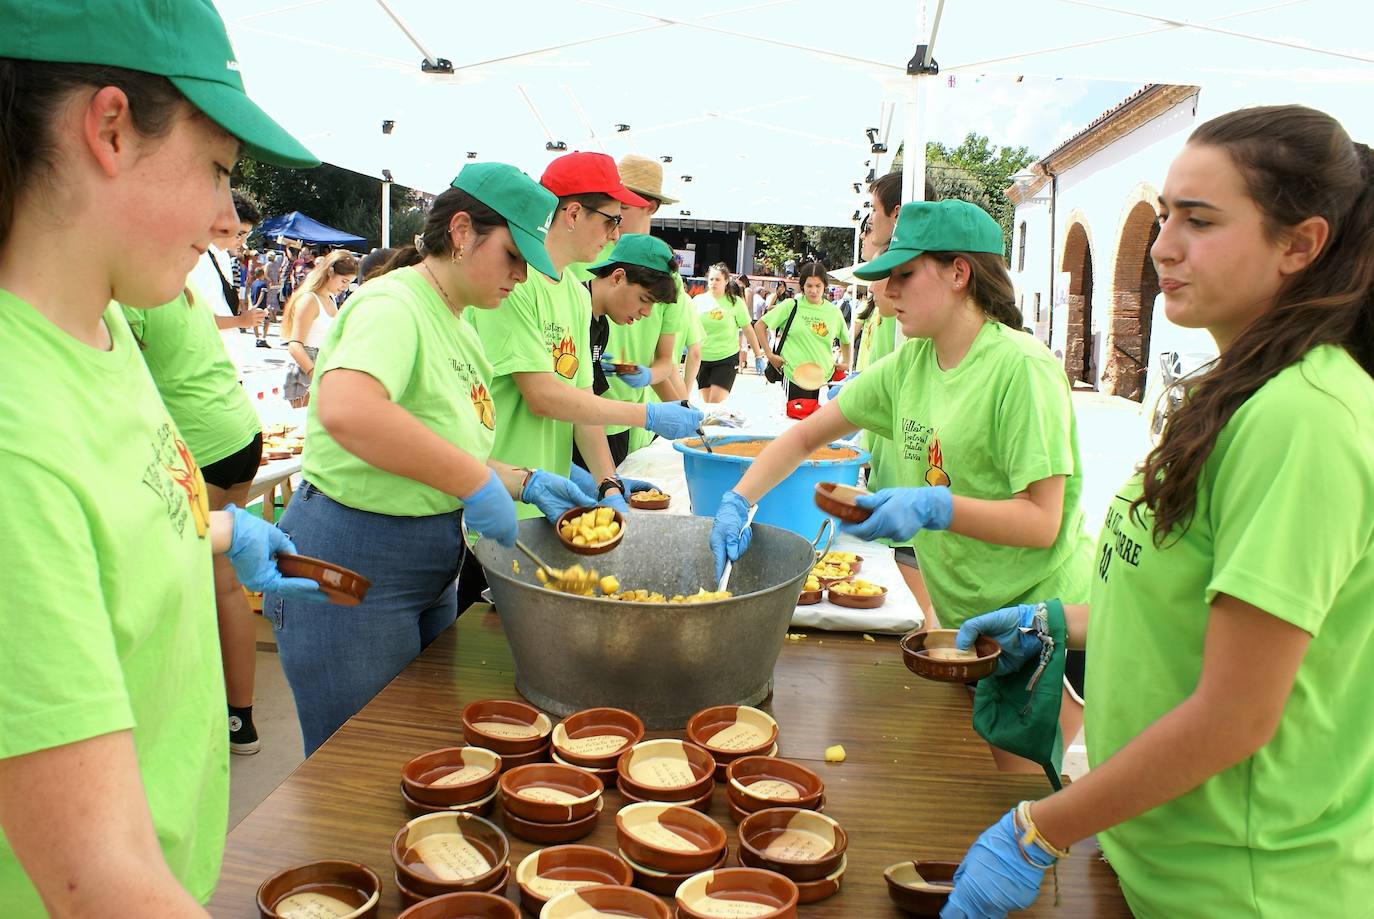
[(336, 658)]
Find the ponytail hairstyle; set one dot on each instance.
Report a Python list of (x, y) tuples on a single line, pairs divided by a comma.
[(338, 263), (734, 292), (1297, 163), (989, 285), (435, 240), (31, 93)]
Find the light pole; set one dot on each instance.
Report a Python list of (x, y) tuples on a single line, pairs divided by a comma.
[(386, 208)]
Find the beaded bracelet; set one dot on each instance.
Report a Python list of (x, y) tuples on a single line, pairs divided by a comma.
[(1031, 835)]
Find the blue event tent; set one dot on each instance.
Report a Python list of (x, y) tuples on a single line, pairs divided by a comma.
[(297, 226)]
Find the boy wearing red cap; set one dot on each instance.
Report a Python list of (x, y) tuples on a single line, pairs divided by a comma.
[(538, 342)]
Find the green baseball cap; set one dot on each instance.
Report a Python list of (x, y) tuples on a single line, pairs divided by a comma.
[(935, 226), (526, 205), (639, 249), (182, 40)]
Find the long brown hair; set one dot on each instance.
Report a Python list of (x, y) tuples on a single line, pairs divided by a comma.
[(338, 263), (1297, 163), (989, 285)]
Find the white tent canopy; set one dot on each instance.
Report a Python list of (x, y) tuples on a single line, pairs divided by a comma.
[(764, 103)]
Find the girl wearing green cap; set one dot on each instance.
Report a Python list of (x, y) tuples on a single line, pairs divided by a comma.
[(113, 734), (1231, 631), (399, 433)]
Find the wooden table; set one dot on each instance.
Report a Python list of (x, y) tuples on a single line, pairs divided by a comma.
[(918, 782)]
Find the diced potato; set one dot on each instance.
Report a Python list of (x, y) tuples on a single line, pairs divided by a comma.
[(568, 531), (613, 527), (602, 533), (588, 534), (587, 520), (604, 515), (835, 754), (515, 566), (541, 575), (579, 540), (609, 584)]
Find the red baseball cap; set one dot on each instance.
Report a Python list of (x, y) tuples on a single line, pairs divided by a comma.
[(586, 174)]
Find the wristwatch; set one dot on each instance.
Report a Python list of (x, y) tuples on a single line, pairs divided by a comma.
[(611, 481)]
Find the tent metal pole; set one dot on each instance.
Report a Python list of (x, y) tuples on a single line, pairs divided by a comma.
[(386, 215), (433, 61)]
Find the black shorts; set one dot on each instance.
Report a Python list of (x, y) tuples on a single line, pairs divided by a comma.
[(905, 555), (796, 392), (236, 468), (1075, 667), (718, 373)]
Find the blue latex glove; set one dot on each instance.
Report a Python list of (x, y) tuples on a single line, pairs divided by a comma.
[(833, 390), (729, 537), (900, 513), (634, 485), (994, 877), (672, 419), (252, 549), (554, 495), (616, 500), (641, 377), (490, 511), (1004, 626)]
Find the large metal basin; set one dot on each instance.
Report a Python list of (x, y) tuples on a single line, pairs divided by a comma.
[(664, 662)]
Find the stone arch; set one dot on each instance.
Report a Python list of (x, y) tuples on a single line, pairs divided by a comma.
[(1134, 287), (1078, 330)]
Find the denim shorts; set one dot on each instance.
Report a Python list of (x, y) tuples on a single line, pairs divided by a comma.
[(336, 658)]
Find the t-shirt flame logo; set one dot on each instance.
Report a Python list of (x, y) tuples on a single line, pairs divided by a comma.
[(565, 358), (486, 410), (821, 329), (717, 315), (186, 475), (936, 474)]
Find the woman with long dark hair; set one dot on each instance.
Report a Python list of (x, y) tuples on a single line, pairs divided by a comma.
[(1231, 627), (813, 324)]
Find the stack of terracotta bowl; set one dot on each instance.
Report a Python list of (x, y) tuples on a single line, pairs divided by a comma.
[(549, 802), (519, 732), (450, 853), (728, 732), (324, 888), (750, 892), (594, 738), (806, 847), (755, 783), (666, 844), (546, 873), (452, 779), (667, 771), (466, 905), (590, 902), (920, 888)]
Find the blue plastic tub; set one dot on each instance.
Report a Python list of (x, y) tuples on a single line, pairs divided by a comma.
[(790, 505)]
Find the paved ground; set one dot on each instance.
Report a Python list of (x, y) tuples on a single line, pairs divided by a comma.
[(1112, 439)]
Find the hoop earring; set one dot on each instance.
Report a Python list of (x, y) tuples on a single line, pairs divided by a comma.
[(455, 255)]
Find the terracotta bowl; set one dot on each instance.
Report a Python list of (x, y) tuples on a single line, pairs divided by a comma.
[(593, 548), (916, 648), (506, 727), (665, 883), (838, 501), (481, 807), (666, 769), (341, 585), (909, 885), (666, 837), (468, 905), (349, 885), (595, 737), (279, 453), (443, 853), (552, 833), (516, 760), (410, 897), (826, 582), (550, 793), (606, 900), (808, 597), (731, 731), (650, 504), (855, 601), (755, 783), (702, 802), (453, 775), (855, 565), (546, 873), (607, 776), (807, 891), (699, 895), (798, 844)]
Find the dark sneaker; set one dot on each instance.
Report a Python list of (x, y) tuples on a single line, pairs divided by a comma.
[(262, 343), (243, 737)]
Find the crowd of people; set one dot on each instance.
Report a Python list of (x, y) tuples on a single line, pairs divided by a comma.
[(535, 333)]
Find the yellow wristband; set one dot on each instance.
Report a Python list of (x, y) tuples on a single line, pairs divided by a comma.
[(1031, 833)]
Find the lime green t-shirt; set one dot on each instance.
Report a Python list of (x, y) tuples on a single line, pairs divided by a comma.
[(811, 338), (876, 343), (199, 384), (542, 327), (108, 611), (720, 322), (988, 428), (399, 331), (690, 332), (1284, 521)]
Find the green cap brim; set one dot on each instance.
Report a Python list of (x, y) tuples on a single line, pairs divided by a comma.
[(262, 138), (882, 266), (532, 248)]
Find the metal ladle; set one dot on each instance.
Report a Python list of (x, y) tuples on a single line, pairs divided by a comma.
[(557, 577)]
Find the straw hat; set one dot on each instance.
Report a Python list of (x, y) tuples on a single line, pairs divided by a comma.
[(644, 176)]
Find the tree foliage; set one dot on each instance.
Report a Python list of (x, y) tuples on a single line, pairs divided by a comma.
[(337, 197)]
